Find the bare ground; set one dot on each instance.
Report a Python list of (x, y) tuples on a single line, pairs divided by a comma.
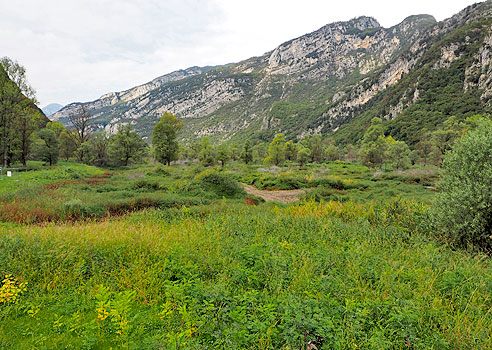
[(283, 196)]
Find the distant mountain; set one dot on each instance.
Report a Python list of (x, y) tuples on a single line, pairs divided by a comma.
[(52, 108), (414, 75)]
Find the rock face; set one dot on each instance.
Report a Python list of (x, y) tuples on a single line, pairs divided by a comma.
[(312, 84)]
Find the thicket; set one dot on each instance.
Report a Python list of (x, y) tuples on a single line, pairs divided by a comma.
[(463, 209)]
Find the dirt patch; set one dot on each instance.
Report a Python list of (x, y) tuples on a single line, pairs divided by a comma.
[(283, 196)]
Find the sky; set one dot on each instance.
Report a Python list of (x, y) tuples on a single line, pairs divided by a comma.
[(78, 50)]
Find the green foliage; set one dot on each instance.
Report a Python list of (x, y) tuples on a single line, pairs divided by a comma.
[(399, 155), (19, 117), (223, 154), (207, 152), (373, 153), (266, 182), (315, 145), (290, 150), (126, 147), (164, 140), (46, 146), (97, 152), (276, 150), (67, 145), (247, 152), (331, 153), (222, 185), (330, 275), (303, 155), (463, 210)]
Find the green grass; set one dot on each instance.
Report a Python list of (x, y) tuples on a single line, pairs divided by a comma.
[(44, 175), (231, 276), (343, 181), (170, 262)]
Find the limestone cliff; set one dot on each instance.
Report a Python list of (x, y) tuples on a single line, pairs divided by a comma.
[(312, 84)]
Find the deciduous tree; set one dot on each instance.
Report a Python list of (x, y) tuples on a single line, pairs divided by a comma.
[(126, 147), (276, 149), (164, 140)]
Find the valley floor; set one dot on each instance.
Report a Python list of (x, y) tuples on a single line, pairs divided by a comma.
[(221, 274), (281, 196)]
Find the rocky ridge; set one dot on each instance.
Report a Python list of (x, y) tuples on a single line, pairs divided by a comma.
[(312, 84)]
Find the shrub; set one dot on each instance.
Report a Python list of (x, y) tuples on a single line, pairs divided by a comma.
[(76, 209), (463, 209), (321, 193), (146, 185), (159, 171), (221, 185), (279, 182), (337, 184)]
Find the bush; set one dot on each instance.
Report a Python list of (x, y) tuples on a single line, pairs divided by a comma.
[(76, 209), (145, 185), (221, 185), (337, 184), (321, 193), (159, 171), (279, 183), (463, 209)]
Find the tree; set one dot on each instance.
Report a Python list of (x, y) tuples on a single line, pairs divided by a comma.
[(443, 138), (16, 101), (67, 145), (424, 147), (222, 154), (46, 146), (81, 128), (316, 147), (374, 145), (98, 148), (234, 153), (247, 153), (57, 128), (303, 155), (207, 152), (399, 154), (164, 138), (25, 125), (374, 131), (276, 149), (331, 153), (463, 209), (126, 147), (290, 150), (351, 153), (259, 151)]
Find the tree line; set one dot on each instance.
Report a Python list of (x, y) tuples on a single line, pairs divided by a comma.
[(25, 134)]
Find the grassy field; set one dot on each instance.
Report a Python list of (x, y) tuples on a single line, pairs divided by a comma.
[(173, 258)]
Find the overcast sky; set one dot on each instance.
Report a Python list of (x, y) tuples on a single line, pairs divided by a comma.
[(77, 50)]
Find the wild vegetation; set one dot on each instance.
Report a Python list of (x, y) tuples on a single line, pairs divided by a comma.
[(110, 240), (153, 256)]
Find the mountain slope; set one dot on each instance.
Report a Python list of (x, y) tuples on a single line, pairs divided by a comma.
[(414, 74), (105, 102), (243, 98), (448, 73)]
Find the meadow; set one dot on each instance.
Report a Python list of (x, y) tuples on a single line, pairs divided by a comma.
[(181, 257)]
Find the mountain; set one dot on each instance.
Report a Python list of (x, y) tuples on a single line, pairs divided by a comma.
[(331, 80), (100, 108), (52, 108)]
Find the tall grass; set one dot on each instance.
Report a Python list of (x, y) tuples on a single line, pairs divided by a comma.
[(230, 276)]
